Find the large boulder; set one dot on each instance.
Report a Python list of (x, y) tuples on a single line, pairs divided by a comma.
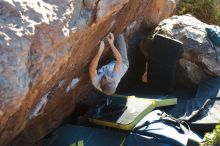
[(199, 58), (45, 49)]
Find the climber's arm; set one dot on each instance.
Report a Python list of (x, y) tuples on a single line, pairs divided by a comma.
[(118, 65), (94, 64)]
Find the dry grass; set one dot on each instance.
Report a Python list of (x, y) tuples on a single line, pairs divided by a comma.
[(206, 10)]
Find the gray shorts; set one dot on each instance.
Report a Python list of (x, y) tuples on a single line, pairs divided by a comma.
[(121, 45)]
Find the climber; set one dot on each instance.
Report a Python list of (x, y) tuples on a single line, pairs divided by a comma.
[(107, 78)]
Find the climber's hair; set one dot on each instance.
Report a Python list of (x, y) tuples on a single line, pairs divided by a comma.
[(108, 85)]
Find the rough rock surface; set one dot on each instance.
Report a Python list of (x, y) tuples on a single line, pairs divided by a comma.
[(45, 49), (158, 10), (198, 60)]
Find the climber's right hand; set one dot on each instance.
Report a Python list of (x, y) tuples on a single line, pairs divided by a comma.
[(110, 38)]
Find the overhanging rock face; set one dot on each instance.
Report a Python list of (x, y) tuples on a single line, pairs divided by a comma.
[(45, 49)]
